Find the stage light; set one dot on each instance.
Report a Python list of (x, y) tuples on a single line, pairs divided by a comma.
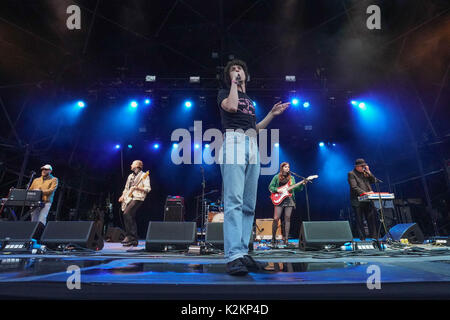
[(188, 104), (206, 145), (194, 79), (156, 146), (175, 145), (354, 102), (254, 103), (334, 144), (277, 145), (290, 78), (130, 146), (306, 104), (133, 104), (362, 106), (147, 101), (117, 146), (197, 146), (81, 104), (295, 102), (321, 144)]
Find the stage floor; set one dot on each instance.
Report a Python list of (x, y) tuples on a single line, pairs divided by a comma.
[(120, 273)]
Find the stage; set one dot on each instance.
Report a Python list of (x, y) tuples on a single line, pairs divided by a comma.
[(419, 272)]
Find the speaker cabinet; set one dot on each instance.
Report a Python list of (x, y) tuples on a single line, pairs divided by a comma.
[(174, 213), (170, 233), (78, 233), (21, 230), (410, 231), (214, 236), (315, 235)]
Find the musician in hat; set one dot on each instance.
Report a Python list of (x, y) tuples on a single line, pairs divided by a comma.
[(47, 184), (138, 185), (360, 180)]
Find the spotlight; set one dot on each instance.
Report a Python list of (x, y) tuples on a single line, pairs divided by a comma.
[(147, 101), (334, 144), (321, 144), (277, 145), (133, 104), (362, 106), (81, 104), (254, 103), (188, 104), (294, 102), (117, 146), (175, 145), (206, 145), (306, 104), (354, 102), (196, 146), (156, 146), (130, 146)]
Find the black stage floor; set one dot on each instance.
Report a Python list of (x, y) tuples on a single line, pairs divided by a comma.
[(420, 272)]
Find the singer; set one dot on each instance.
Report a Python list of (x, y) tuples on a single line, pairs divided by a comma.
[(282, 178), (359, 180), (240, 180), (47, 184)]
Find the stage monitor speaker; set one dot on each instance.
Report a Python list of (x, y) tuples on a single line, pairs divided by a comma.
[(174, 213), (214, 235), (78, 233), (114, 234), (315, 235), (21, 230), (410, 231), (170, 233)]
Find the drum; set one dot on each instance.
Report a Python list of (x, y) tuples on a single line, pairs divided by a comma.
[(215, 216)]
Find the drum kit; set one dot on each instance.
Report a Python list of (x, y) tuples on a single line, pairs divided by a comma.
[(214, 211)]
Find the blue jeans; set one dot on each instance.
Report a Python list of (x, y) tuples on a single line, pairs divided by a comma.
[(240, 172)]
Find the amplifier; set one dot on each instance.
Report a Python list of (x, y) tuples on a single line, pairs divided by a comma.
[(174, 209)]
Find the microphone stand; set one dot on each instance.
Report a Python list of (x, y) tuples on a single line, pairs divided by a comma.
[(382, 223), (306, 193), (26, 194), (203, 232)]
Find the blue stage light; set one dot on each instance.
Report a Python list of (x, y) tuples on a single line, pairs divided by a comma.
[(130, 146), (306, 104), (277, 145), (133, 104), (156, 146), (188, 104), (206, 145), (175, 145), (197, 146), (354, 102), (334, 144), (294, 102), (321, 144), (117, 146), (362, 106), (81, 104)]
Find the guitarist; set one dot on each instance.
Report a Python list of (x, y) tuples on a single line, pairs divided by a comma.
[(138, 190), (287, 205)]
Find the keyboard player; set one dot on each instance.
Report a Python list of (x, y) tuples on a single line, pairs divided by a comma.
[(47, 184), (360, 180)]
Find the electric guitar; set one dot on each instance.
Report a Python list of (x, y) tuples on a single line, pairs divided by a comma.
[(128, 196), (283, 191)]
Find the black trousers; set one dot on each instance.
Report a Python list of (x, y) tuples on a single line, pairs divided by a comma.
[(365, 211), (129, 217)]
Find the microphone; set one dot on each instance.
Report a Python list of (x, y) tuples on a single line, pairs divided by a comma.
[(238, 79)]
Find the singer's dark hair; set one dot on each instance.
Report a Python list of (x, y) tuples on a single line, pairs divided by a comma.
[(280, 175), (226, 71)]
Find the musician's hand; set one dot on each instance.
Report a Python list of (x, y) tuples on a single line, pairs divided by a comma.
[(279, 108), (121, 199)]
